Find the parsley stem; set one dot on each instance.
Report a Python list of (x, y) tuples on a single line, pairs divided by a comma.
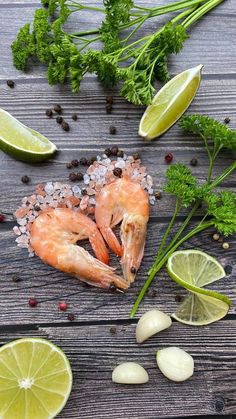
[(155, 269), (201, 11), (170, 225)]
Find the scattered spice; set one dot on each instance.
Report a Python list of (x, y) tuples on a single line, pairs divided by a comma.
[(75, 163), (33, 302), (178, 298), (71, 317), (63, 306), (114, 150), (59, 119), (108, 152), (113, 330), (109, 99), (225, 245), (136, 156), (227, 120), (216, 236), (68, 165), (158, 195), (228, 269), (194, 162), (112, 288), (65, 126), (84, 192), (57, 108), (79, 176), (73, 177), (2, 217), (25, 179), (169, 157), (49, 113), (37, 208), (117, 172), (112, 130), (93, 159), (83, 161), (74, 117), (11, 84), (133, 270), (153, 294), (120, 153), (108, 108), (16, 278)]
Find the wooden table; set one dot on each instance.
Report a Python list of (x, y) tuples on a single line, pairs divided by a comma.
[(102, 335)]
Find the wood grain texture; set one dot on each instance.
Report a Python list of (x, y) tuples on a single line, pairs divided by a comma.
[(94, 352), (92, 349)]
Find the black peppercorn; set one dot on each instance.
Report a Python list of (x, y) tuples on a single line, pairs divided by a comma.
[(65, 126), (73, 177), (80, 176), (120, 153), (37, 208), (178, 298), (117, 172), (49, 113), (25, 179), (158, 195), (75, 163), (133, 270), (71, 317), (194, 162), (11, 84), (83, 161), (113, 330), (59, 119), (68, 165), (227, 120), (84, 192), (136, 156), (57, 108), (16, 278), (109, 99), (107, 152), (114, 150), (108, 108), (112, 287), (74, 117), (112, 130), (228, 269)]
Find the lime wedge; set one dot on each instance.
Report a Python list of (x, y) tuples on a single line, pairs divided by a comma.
[(170, 103), (192, 269), (35, 379), (22, 142)]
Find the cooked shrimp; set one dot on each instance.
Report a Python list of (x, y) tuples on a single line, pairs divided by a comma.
[(53, 236), (124, 200)]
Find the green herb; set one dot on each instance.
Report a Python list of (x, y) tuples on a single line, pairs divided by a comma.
[(219, 208), (135, 64)]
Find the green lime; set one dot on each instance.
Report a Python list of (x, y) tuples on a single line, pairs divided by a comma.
[(192, 269), (35, 379), (22, 142), (170, 103)]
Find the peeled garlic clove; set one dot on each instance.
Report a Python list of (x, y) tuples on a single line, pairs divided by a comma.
[(175, 363), (150, 323), (130, 373)]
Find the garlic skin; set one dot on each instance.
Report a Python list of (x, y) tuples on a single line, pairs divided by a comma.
[(130, 373), (150, 323), (175, 363)]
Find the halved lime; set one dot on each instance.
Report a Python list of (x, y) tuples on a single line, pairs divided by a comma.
[(192, 269), (35, 379), (22, 142), (170, 103)]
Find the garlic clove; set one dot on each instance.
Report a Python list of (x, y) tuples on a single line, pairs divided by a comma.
[(130, 373), (175, 363), (150, 323)]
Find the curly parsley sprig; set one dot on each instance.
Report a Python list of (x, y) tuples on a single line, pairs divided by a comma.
[(219, 208), (135, 64)]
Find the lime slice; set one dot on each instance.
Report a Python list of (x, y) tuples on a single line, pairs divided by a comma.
[(170, 103), (22, 142), (192, 269), (35, 379)]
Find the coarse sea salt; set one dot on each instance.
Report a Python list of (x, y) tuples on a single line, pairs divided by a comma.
[(58, 194)]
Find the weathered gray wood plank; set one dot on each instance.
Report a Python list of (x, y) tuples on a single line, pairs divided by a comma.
[(94, 352), (49, 286)]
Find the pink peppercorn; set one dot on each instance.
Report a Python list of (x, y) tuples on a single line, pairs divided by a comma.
[(63, 306), (169, 157), (2, 217), (33, 302)]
